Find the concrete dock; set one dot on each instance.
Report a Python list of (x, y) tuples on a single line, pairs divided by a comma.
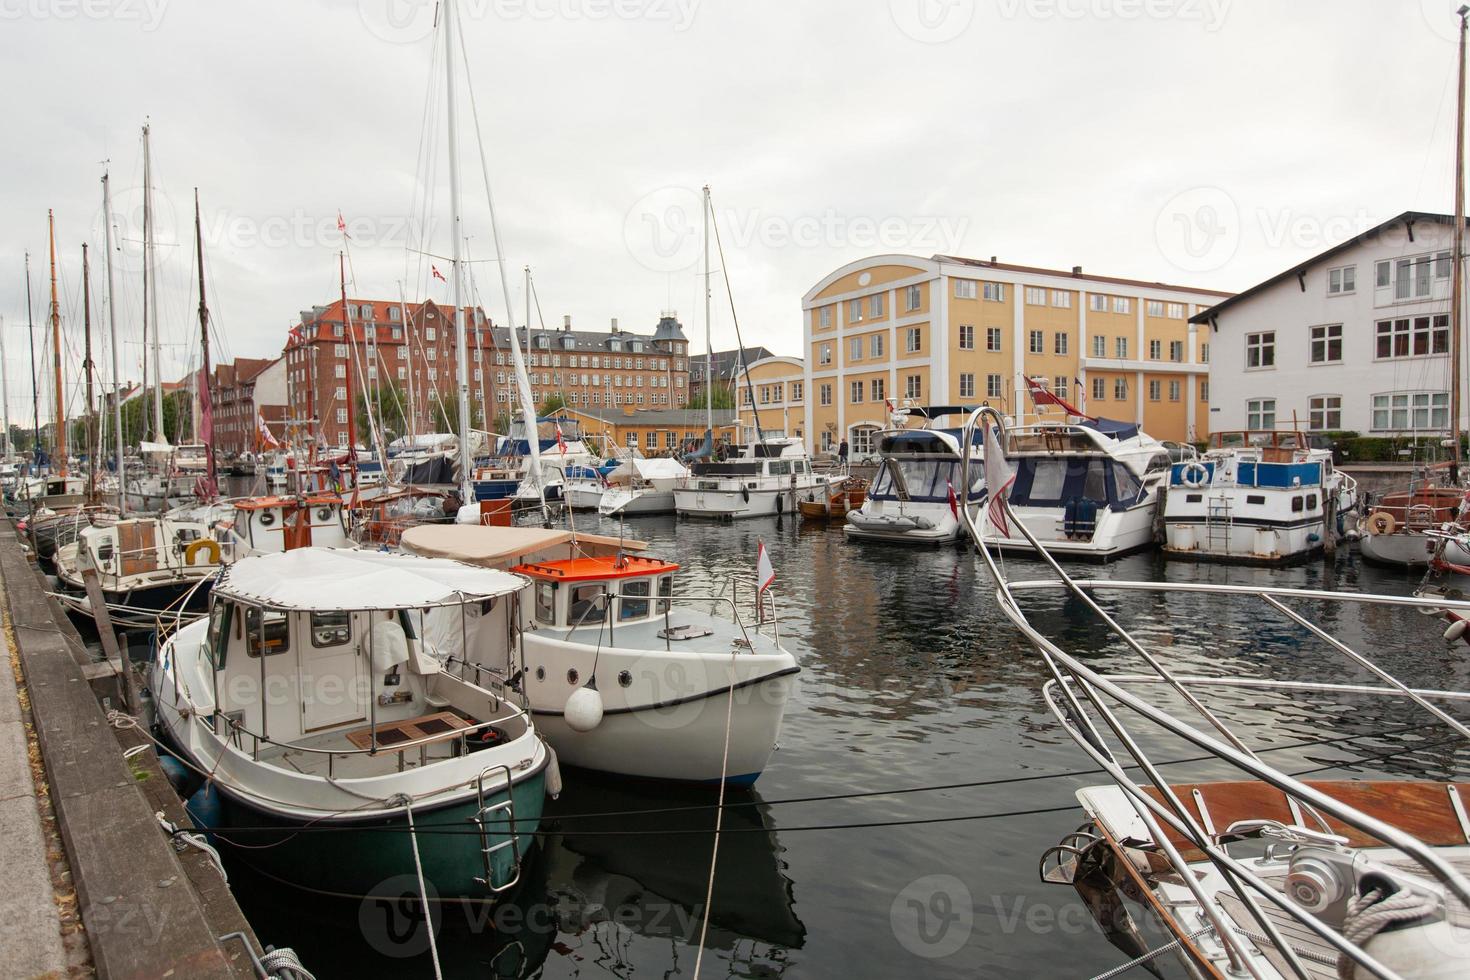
[(93, 882)]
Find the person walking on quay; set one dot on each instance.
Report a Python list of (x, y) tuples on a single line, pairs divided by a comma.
[(842, 454)]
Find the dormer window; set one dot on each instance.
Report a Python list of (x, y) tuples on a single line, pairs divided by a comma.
[(543, 343), (569, 343), (637, 346)]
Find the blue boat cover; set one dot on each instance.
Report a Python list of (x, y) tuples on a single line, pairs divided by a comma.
[(1113, 429)]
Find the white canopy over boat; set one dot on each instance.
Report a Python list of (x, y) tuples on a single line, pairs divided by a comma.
[(491, 546), (346, 579), (659, 468)]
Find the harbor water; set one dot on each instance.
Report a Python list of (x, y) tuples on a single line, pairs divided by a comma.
[(911, 679)]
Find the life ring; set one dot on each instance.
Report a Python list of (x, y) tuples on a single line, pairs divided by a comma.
[(1194, 474), (1381, 522), (203, 544)]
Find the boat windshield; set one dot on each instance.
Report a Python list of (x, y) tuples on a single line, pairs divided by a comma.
[(728, 468), (1051, 481), (923, 479)]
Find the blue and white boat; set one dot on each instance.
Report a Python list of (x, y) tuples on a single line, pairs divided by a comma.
[(915, 496), (1257, 496)]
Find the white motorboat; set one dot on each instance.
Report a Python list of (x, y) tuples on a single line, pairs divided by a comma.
[(363, 729), (1088, 488), (642, 486), (914, 498), (144, 565), (769, 477), (583, 487), (622, 674), (1263, 497)]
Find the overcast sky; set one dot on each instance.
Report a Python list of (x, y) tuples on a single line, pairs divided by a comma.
[(1205, 142)]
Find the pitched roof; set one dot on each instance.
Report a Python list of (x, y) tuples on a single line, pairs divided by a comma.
[(725, 364), (1408, 217), (680, 417), (1074, 273)]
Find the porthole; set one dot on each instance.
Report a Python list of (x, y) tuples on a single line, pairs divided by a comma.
[(324, 513), (267, 518), (625, 678), (572, 676), (541, 673)]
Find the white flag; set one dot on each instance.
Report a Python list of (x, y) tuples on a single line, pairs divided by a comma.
[(765, 572), (998, 479)]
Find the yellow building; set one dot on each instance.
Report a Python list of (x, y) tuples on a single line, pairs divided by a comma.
[(656, 432), (955, 331), (778, 385)]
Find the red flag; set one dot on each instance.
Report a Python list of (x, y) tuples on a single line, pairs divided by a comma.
[(765, 572), (560, 444), (1041, 395), (954, 504), (437, 274), (888, 404), (342, 225)]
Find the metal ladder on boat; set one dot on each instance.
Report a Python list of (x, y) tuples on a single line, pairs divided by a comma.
[(1219, 522), (504, 810)]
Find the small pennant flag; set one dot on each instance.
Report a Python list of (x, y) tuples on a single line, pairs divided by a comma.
[(954, 503), (765, 572), (266, 439), (888, 404), (437, 274), (998, 479), (560, 443), (342, 225)]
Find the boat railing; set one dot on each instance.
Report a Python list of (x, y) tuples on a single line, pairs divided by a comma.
[(1087, 704), (603, 603)]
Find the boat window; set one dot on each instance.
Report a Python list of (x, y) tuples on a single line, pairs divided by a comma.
[(779, 467), (1094, 485), (1296, 504), (546, 602), (1049, 475), (799, 466), (185, 535), (330, 629), (1125, 484), (1158, 463), (634, 608), (1311, 501), (1255, 498), (587, 604), (665, 589), (277, 632), (219, 632)]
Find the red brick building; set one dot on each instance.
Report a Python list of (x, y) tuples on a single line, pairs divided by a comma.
[(241, 389)]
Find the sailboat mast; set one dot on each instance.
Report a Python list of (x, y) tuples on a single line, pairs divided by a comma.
[(709, 347), (112, 326), (457, 233), (87, 370), (205, 405), (58, 437), (413, 406), (150, 302), (35, 385), (1457, 269), (352, 362), (4, 392)]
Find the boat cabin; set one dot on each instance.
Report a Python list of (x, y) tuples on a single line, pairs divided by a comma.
[(270, 524), (148, 549), (1274, 447), (577, 592)]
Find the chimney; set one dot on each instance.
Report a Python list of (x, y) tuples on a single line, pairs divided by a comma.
[(614, 324), (566, 323), (1076, 270), (992, 260)]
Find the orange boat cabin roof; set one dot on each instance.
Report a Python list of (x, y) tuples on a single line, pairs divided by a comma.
[(262, 503), (593, 569)]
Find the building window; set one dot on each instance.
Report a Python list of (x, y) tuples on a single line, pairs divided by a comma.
[(796, 391), (1122, 304), (824, 354), (1204, 389), (824, 394), (877, 387), (1326, 346), (875, 306), (1155, 308), (1061, 299), (1035, 296), (1120, 389), (1410, 278), (1097, 303), (1120, 348), (1099, 389), (431, 333), (854, 311), (341, 416), (1176, 350), (1037, 341), (1260, 350), (855, 349), (1416, 411), (339, 350), (1204, 353), (1155, 390), (1099, 346), (1413, 337), (824, 317), (1343, 280), (1173, 391), (1176, 311), (992, 338), (1324, 412), (967, 336), (1155, 349), (964, 289), (913, 385), (855, 392), (995, 292), (967, 386), (912, 298), (913, 340), (1059, 342), (875, 345), (1059, 385), (992, 386), (1260, 413), (340, 394), (340, 370)]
